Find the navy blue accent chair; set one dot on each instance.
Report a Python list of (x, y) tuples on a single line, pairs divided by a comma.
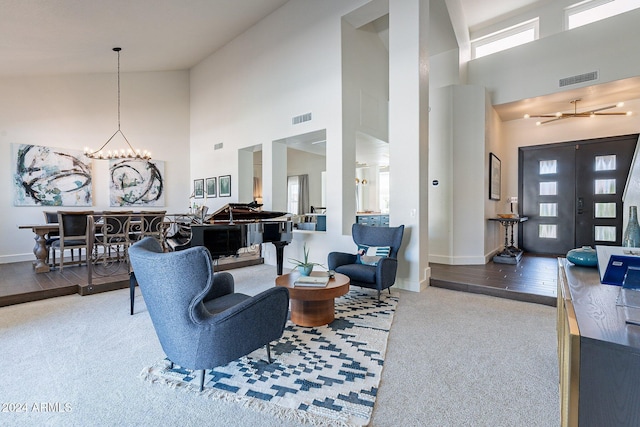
[(200, 322), (381, 276)]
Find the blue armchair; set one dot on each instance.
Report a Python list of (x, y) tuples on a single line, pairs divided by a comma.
[(200, 322), (374, 272)]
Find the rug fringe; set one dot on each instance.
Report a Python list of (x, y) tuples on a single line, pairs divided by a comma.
[(287, 414)]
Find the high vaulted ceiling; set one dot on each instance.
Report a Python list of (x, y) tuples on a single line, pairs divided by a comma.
[(76, 36)]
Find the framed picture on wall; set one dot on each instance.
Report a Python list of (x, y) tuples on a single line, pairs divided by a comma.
[(198, 188), (494, 177), (224, 182), (212, 188)]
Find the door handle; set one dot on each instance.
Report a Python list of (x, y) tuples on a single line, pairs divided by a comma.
[(580, 205)]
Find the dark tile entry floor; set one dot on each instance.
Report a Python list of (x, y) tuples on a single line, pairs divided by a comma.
[(533, 279)]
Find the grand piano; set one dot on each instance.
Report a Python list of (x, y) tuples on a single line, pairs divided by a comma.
[(235, 226)]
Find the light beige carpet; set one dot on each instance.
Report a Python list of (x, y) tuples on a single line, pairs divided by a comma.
[(453, 359)]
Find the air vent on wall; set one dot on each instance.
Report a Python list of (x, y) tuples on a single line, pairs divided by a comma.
[(581, 78), (301, 118), (217, 146)]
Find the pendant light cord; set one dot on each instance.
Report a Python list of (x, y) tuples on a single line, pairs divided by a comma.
[(117, 49)]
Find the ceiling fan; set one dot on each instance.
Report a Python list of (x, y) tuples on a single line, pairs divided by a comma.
[(590, 113)]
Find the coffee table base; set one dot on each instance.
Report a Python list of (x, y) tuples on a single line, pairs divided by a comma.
[(312, 313)]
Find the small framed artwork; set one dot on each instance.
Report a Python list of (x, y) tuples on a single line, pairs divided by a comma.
[(198, 188), (212, 188), (494, 177), (224, 189)]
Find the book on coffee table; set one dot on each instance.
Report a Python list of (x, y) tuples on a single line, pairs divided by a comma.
[(311, 281)]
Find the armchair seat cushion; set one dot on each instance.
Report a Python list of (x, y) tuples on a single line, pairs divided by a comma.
[(224, 302), (361, 273), (67, 242)]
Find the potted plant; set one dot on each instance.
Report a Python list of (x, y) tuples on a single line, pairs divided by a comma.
[(304, 267)]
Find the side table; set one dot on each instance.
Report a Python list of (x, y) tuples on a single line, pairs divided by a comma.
[(312, 306), (510, 254)]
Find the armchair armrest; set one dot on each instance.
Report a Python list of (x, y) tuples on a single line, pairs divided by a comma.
[(222, 285), (386, 272), (336, 259), (244, 327)]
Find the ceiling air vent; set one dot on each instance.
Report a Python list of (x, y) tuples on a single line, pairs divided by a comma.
[(218, 146), (581, 78), (301, 119)]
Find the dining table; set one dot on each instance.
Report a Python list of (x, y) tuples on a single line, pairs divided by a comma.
[(41, 231), (40, 250)]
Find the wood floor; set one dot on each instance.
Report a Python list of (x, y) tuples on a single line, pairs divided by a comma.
[(19, 283), (533, 279)]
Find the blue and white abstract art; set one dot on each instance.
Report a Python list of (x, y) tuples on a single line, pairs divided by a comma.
[(135, 182), (49, 176)]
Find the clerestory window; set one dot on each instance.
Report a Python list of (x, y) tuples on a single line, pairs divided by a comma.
[(516, 35)]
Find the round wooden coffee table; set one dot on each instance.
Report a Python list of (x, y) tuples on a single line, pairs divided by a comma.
[(312, 306)]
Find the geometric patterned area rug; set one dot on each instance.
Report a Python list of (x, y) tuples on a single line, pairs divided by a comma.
[(326, 375)]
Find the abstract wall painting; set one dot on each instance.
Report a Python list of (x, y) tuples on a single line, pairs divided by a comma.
[(136, 182), (49, 176)]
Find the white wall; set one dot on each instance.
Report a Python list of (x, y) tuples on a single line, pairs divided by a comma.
[(409, 30), (74, 111), (291, 63), (458, 159), (534, 69), (246, 94)]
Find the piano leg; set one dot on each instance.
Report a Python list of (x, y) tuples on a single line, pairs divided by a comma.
[(280, 255)]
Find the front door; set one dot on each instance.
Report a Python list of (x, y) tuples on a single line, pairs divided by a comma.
[(572, 193)]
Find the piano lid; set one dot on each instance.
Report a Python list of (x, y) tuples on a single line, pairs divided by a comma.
[(243, 212)]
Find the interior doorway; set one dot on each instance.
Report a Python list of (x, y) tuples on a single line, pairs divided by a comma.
[(572, 193)]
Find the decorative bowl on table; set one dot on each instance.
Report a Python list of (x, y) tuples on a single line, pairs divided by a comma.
[(507, 215), (585, 256)]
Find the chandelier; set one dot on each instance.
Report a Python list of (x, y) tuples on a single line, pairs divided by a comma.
[(590, 113), (129, 153)]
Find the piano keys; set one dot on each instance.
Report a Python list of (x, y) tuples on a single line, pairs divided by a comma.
[(235, 226)]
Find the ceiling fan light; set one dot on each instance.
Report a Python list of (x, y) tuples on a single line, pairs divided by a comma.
[(629, 113), (538, 123), (620, 104), (558, 114), (526, 116)]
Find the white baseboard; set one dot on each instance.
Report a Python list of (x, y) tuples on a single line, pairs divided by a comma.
[(452, 260), (6, 259)]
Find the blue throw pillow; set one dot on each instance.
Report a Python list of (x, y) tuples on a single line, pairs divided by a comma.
[(370, 255)]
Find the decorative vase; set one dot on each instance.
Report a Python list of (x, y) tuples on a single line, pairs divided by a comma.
[(585, 256), (631, 237), (305, 270)]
